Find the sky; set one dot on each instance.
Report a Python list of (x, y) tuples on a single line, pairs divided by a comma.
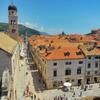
[(55, 16)]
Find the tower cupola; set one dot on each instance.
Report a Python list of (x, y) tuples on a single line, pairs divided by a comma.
[(12, 7)]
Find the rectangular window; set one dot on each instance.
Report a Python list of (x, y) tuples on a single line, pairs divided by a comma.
[(89, 65), (88, 73), (96, 65), (55, 73), (67, 72), (96, 72), (79, 53), (97, 57), (80, 62), (79, 71), (89, 57), (66, 53), (67, 63), (55, 64)]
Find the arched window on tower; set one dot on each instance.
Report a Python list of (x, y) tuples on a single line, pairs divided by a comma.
[(12, 12), (13, 30), (11, 22), (14, 22)]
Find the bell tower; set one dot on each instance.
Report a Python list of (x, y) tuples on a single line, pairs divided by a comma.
[(13, 20)]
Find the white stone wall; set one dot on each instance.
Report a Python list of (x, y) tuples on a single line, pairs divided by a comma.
[(61, 67), (92, 69), (15, 59), (92, 61)]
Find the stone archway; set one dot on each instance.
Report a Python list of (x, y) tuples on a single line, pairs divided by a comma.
[(79, 82)]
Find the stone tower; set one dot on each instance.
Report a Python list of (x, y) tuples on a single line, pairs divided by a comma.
[(13, 20)]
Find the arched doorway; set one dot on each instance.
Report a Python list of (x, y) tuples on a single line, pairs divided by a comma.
[(79, 82)]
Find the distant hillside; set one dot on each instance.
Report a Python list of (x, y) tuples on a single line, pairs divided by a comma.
[(22, 29), (44, 33)]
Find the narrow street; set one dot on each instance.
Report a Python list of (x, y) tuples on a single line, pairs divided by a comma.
[(20, 86), (20, 78)]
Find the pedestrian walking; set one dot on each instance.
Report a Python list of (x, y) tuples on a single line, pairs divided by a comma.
[(90, 87), (58, 98), (61, 98), (73, 94), (80, 93), (74, 98), (99, 85), (55, 98), (66, 98), (82, 86), (32, 97)]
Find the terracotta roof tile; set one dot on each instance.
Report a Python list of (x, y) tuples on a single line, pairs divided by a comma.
[(64, 53), (90, 50)]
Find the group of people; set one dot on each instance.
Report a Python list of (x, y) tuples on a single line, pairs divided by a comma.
[(60, 98), (28, 92)]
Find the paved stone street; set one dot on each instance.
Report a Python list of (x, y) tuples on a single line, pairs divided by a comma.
[(20, 74), (20, 86), (51, 94)]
